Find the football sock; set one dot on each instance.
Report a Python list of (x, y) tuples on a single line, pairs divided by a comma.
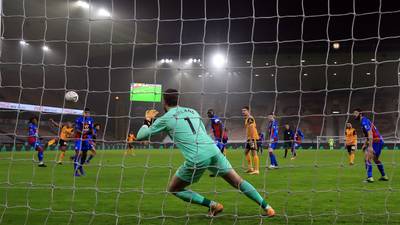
[(193, 197), (273, 159), (256, 162), (40, 155), (248, 159), (252, 193), (62, 155), (368, 167), (380, 167)]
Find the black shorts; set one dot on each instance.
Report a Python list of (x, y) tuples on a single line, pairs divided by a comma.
[(287, 144), (350, 148), (62, 142), (251, 145), (130, 145)]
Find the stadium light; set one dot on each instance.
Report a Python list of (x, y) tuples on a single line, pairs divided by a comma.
[(272, 75), (104, 13), (248, 61), (334, 74), (191, 60), (82, 4), (45, 48), (335, 112), (166, 61), (305, 74), (368, 73), (218, 60), (116, 97), (23, 43), (373, 60), (256, 75)]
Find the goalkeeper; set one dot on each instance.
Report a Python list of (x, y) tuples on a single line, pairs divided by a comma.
[(185, 127)]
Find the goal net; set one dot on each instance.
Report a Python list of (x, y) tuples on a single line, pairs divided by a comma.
[(310, 63), (331, 142)]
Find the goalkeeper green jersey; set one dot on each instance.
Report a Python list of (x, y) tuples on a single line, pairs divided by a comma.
[(186, 128)]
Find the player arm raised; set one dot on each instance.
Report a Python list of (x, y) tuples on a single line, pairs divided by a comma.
[(151, 127)]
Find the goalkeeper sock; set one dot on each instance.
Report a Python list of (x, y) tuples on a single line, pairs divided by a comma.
[(248, 159), (252, 193), (193, 197), (380, 167), (256, 162)]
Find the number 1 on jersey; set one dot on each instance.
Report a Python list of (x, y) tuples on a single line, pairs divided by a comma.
[(190, 125)]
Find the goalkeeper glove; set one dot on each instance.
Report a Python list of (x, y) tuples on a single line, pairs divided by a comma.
[(150, 117)]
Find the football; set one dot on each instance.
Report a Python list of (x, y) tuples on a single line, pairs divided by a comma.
[(71, 96)]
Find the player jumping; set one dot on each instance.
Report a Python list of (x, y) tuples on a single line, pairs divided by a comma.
[(185, 127), (297, 139), (83, 130), (34, 140), (273, 140), (65, 135), (351, 142), (251, 143), (373, 146), (218, 130)]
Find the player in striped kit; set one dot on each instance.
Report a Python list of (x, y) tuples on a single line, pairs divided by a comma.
[(372, 146)]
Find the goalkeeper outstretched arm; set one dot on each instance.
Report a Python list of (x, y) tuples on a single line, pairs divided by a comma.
[(151, 126)]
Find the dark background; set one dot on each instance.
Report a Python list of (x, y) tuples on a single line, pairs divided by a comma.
[(280, 59)]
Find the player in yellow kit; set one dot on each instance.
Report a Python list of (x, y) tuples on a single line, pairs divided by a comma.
[(65, 134), (251, 144), (351, 142), (131, 138)]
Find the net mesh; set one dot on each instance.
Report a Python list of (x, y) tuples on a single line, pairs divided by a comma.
[(311, 63)]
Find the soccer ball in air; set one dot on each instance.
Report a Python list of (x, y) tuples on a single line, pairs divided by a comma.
[(71, 96), (336, 45)]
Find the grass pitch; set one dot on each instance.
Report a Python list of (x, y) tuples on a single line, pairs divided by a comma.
[(316, 188)]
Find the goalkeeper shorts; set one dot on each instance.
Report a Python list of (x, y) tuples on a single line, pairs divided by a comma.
[(191, 172)]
